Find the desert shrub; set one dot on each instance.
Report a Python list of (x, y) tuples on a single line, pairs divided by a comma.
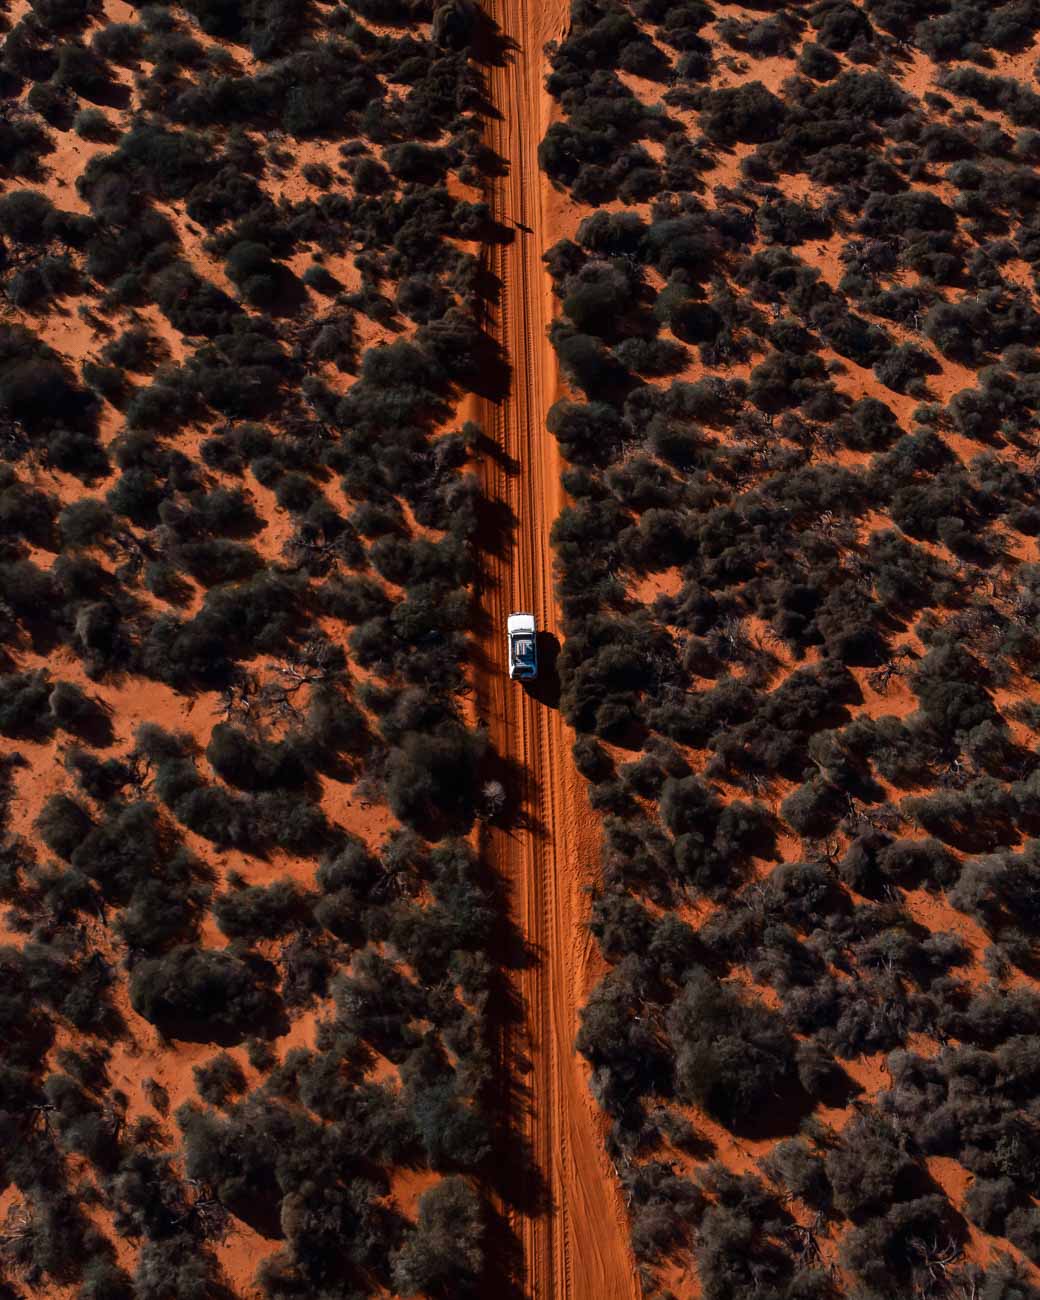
[(789, 222), (653, 357), (903, 368), (133, 349), (819, 63), (748, 113), (370, 176), (51, 277), (250, 764), (76, 712), (195, 991), (92, 124), (29, 592), (82, 70), (219, 1079), (105, 381), (732, 1253), (588, 432), (117, 863), (443, 1256), (103, 1279), (592, 759), (192, 305), (1021, 104), (24, 704), (79, 1120), (430, 776), (63, 824), (261, 912), (988, 1201), (870, 1169), (949, 691), (354, 599), (731, 1054), (24, 215), (166, 910), (53, 103), (795, 1166), (814, 808), (217, 560), (958, 330), (252, 269), (174, 1262), (61, 14), (27, 513), (321, 279), (586, 361), (118, 42)]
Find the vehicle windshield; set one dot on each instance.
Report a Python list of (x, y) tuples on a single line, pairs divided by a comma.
[(523, 647)]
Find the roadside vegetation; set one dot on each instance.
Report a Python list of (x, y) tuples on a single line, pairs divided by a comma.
[(797, 314), (246, 952)]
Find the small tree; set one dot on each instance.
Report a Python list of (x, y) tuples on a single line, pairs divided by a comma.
[(493, 795), (443, 1256)]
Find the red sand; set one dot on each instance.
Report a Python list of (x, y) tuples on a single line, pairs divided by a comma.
[(579, 1250)]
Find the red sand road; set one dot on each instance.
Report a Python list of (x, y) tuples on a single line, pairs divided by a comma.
[(578, 1248)]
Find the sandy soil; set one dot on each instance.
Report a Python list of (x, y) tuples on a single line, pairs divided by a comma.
[(578, 1248), (932, 911), (142, 1053)]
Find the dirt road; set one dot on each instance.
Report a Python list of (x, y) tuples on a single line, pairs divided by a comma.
[(577, 1248)]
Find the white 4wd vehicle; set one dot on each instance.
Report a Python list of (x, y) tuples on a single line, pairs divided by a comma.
[(523, 654)]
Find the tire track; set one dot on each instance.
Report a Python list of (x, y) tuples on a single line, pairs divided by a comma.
[(577, 1248)]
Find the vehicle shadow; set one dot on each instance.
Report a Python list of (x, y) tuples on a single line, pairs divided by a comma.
[(546, 686)]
